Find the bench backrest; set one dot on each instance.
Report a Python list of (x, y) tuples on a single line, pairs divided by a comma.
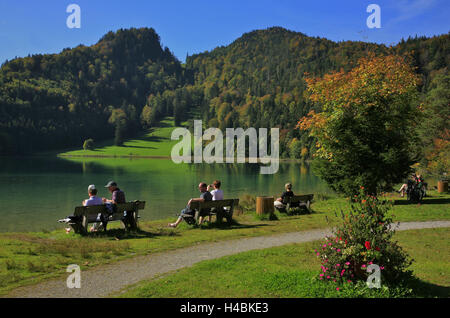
[(196, 205), (299, 198), (94, 210)]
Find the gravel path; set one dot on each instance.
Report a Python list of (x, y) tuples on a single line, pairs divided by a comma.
[(99, 282)]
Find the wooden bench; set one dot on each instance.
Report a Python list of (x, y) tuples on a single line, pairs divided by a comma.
[(83, 215), (302, 201), (220, 208)]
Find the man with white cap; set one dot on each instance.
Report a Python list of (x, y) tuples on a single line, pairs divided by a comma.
[(93, 199)]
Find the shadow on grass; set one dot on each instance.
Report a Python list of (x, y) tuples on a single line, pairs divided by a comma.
[(227, 226), (426, 289), (297, 211), (123, 234), (140, 147), (154, 138), (162, 124), (300, 211), (426, 201)]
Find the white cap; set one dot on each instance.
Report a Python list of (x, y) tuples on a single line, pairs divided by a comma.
[(91, 187)]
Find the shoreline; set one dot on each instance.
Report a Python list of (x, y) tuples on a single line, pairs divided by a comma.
[(247, 159)]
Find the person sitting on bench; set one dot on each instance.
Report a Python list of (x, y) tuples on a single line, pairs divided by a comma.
[(117, 196), (204, 196), (279, 203), (216, 193), (93, 198)]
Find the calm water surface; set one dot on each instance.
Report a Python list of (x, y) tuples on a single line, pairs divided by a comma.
[(36, 192)]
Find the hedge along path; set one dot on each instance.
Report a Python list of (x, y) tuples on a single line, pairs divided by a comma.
[(105, 280)]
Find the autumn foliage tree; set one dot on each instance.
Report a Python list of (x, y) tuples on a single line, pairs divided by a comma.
[(365, 124), (435, 132)]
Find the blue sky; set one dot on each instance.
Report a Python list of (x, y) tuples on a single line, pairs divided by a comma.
[(193, 26)]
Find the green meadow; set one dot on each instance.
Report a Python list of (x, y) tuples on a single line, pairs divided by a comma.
[(27, 258), (292, 271), (155, 143)]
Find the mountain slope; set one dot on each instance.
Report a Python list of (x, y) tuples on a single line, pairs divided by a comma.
[(258, 80), (59, 100)]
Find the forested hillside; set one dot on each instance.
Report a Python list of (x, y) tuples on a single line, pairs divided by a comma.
[(258, 80), (57, 100), (127, 82)]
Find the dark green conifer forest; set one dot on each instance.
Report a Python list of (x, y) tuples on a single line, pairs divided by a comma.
[(127, 82)]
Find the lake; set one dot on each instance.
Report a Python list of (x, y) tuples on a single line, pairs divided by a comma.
[(37, 191)]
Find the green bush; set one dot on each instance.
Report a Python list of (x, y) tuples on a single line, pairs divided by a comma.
[(364, 237)]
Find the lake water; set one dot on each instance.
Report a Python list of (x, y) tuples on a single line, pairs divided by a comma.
[(36, 191)]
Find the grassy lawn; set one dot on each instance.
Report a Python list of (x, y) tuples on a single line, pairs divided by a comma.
[(31, 257), (156, 143), (290, 271)]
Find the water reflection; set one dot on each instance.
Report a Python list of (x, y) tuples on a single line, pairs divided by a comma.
[(38, 190)]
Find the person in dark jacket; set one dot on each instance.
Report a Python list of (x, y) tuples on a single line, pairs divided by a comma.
[(205, 195), (117, 195), (280, 203)]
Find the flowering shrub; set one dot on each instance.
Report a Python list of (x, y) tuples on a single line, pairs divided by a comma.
[(364, 237)]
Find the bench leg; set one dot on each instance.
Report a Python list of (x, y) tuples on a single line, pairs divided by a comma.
[(196, 216), (81, 227), (219, 216), (308, 204), (76, 227), (229, 215), (134, 221), (130, 221), (229, 218)]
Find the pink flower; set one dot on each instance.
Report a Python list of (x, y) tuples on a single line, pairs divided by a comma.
[(337, 288), (318, 254), (338, 250), (381, 267), (364, 266), (328, 277), (347, 263), (337, 265), (321, 275)]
